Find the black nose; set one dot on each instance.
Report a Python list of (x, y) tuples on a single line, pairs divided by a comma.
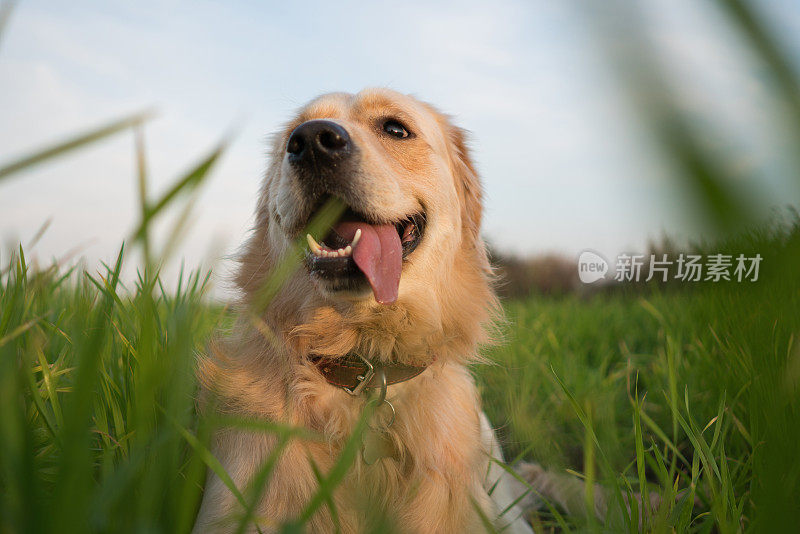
[(320, 141)]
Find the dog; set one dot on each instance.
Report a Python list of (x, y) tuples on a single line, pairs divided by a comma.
[(387, 310)]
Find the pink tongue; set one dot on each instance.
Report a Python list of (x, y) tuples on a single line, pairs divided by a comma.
[(378, 254)]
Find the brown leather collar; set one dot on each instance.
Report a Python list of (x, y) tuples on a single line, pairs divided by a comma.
[(354, 373)]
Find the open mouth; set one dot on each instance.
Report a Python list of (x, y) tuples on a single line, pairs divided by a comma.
[(357, 249)]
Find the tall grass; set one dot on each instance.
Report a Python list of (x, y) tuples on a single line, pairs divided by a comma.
[(96, 385), (691, 395), (100, 430)]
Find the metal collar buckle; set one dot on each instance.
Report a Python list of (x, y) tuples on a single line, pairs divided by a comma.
[(363, 380)]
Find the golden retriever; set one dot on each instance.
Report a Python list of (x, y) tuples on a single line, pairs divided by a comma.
[(395, 299)]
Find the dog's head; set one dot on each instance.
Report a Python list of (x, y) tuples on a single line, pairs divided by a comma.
[(405, 257)]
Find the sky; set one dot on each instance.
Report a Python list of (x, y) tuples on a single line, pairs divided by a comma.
[(565, 163)]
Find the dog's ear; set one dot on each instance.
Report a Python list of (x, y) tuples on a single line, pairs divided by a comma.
[(468, 183)]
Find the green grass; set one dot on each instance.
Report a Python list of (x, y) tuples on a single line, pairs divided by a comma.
[(96, 381), (691, 393), (694, 390), (688, 393)]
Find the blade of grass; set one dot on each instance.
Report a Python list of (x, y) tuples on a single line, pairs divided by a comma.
[(5, 15), (259, 425), (18, 331), (51, 386), (141, 175), (341, 466), (662, 436), (559, 518), (485, 521), (765, 44), (589, 439), (60, 149), (75, 472), (591, 435), (329, 502), (42, 410), (259, 482), (188, 182), (286, 266), (640, 461), (209, 459)]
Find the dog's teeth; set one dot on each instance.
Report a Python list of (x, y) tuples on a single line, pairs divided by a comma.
[(356, 238), (322, 250), (312, 244)]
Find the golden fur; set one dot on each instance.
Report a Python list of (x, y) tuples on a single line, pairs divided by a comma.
[(444, 312)]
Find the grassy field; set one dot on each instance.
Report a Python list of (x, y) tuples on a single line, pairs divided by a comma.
[(691, 394)]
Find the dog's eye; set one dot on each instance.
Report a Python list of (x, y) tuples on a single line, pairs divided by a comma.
[(394, 128)]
